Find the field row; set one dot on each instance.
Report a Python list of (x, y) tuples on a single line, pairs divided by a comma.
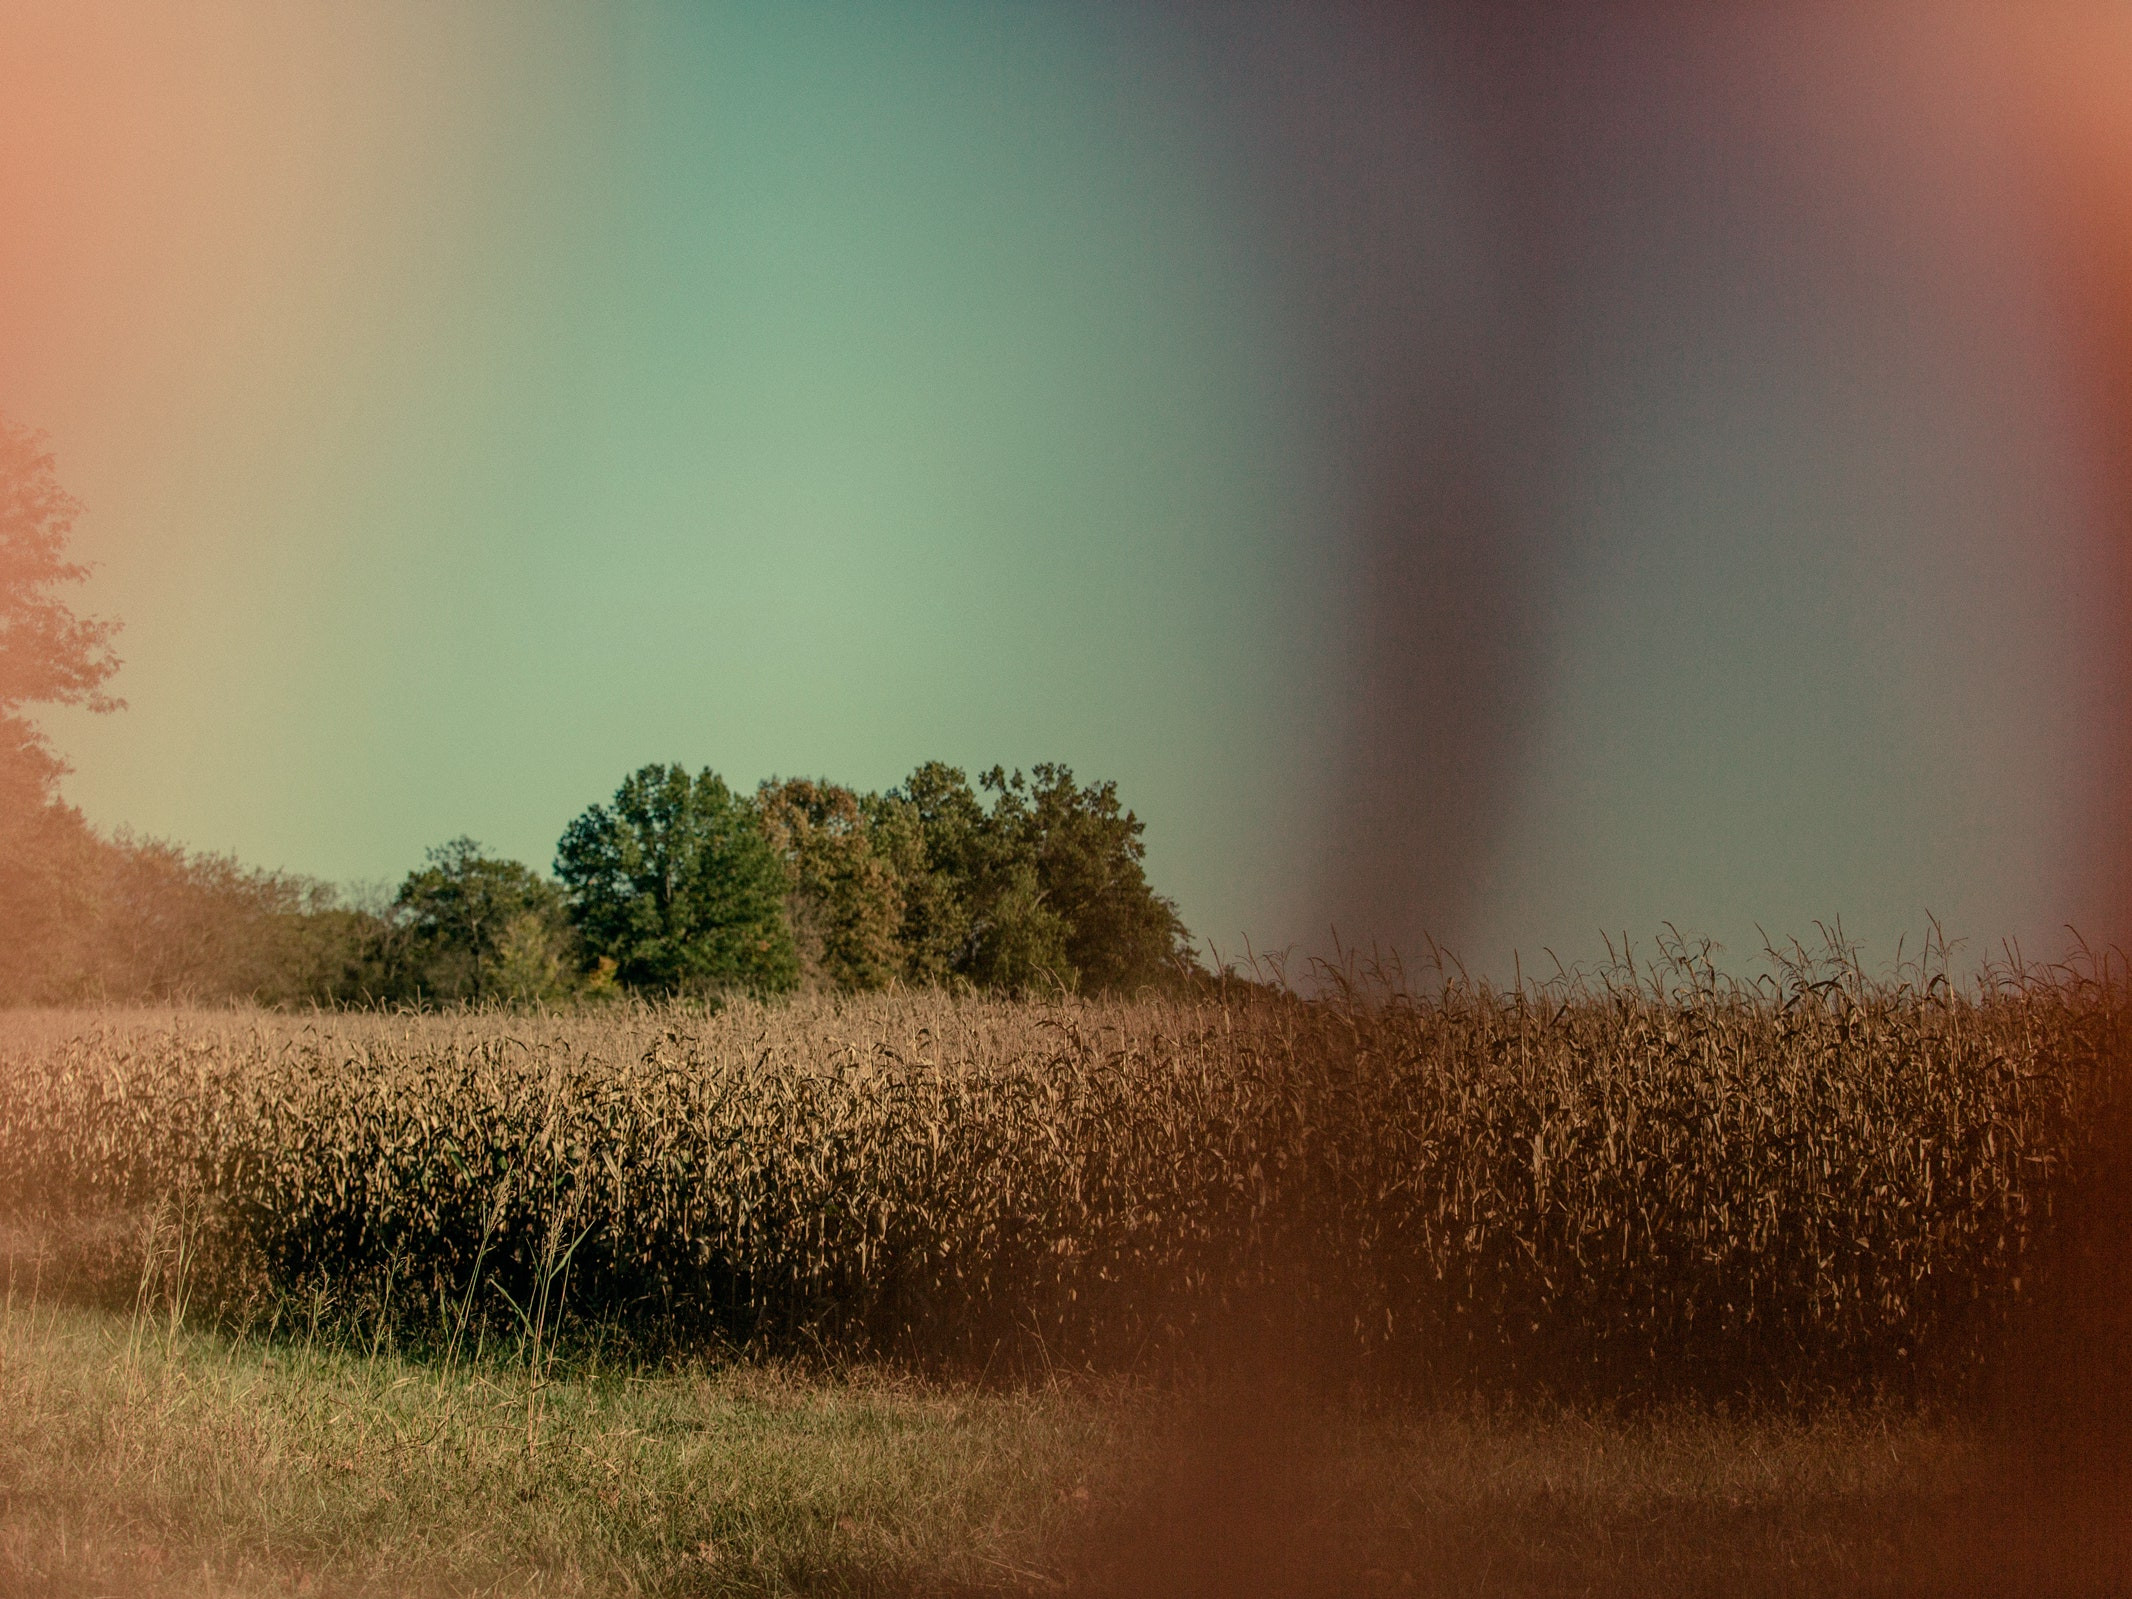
[(1630, 1188)]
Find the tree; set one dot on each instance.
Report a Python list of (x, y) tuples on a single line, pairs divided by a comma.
[(172, 923), (1046, 887), (48, 656), (932, 829), (678, 886), (1087, 854), (483, 928), (844, 897)]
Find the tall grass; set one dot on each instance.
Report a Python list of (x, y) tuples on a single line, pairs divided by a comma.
[(1651, 1179)]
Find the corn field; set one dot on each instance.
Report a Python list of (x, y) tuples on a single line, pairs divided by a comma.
[(1655, 1180)]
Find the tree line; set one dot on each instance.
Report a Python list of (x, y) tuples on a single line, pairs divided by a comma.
[(676, 885), (679, 885)]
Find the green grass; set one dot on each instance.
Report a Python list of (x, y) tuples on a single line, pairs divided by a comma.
[(139, 1458), (134, 1459)]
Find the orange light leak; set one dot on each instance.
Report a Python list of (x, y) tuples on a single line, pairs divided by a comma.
[(2057, 1516)]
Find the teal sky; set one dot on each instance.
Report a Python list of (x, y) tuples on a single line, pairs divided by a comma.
[(787, 390), (471, 408)]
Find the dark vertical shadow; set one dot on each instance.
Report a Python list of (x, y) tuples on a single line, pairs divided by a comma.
[(1410, 166), (2051, 1516), (1421, 178)]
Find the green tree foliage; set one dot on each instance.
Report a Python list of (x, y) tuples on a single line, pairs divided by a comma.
[(844, 894), (678, 885), (933, 829), (1041, 888), (1086, 851), (1044, 888), (481, 928), (985, 865)]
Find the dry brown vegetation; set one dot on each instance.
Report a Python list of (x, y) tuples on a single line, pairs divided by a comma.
[(1650, 1182), (138, 1460)]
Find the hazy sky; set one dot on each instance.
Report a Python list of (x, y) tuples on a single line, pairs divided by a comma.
[(472, 405)]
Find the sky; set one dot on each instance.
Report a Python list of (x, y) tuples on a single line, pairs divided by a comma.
[(1507, 484)]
